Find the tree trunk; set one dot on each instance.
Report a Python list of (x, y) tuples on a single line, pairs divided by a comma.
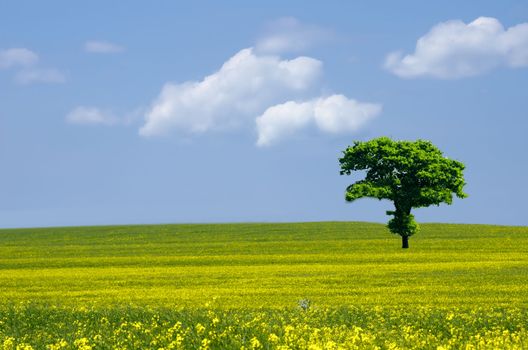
[(405, 242)]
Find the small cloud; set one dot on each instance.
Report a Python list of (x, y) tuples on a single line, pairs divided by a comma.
[(37, 75), (16, 57), (334, 114), (243, 87), (339, 114), (288, 34), (91, 116), (283, 120), (454, 49), (95, 46), (27, 60)]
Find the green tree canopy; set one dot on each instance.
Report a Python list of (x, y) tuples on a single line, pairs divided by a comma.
[(411, 174)]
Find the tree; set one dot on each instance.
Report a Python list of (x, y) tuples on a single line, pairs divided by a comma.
[(410, 174)]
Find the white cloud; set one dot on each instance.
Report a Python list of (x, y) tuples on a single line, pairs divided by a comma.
[(91, 115), (250, 87), (289, 35), (339, 114), (243, 87), (454, 49), (17, 57), (38, 75), (95, 46), (333, 114), (283, 120), (27, 60)]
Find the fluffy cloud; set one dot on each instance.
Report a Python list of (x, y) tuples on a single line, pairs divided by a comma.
[(94, 46), (339, 114), (289, 35), (243, 87), (17, 57), (454, 49), (255, 85), (37, 75), (333, 114), (283, 120), (91, 115)]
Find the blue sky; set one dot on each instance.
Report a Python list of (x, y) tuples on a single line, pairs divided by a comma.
[(166, 112)]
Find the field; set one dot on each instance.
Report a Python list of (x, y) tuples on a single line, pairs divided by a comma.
[(323, 285)]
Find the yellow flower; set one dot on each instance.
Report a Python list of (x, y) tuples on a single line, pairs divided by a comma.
[(314, 347), (9, 343), (205, 344), (288, 328), (255, 343), (82, 344), (23, 346), (200, 328), (58, 345), (273, 338)]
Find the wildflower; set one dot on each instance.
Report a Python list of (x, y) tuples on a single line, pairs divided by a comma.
[(205, 344), (9, 343), (288, 328), (255, 343), (82, 344), (61, 344), (273, 338), (200, 328)]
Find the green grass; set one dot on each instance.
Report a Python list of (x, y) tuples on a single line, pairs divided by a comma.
[(264, 265)]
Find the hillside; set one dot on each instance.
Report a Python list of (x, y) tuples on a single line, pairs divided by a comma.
[(265, 265)]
